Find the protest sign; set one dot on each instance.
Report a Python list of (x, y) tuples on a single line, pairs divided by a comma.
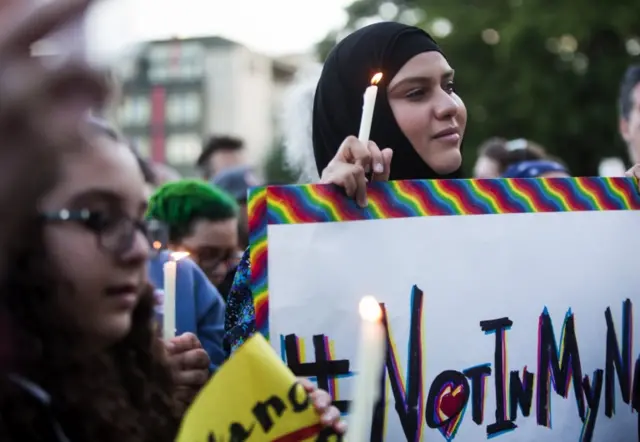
[(252, 398), (508, 304)]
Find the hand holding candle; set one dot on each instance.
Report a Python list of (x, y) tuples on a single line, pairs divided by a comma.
[(368, 107), (169, 305), (370, 360)]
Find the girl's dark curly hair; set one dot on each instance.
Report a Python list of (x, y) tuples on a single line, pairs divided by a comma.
[(123, 394)]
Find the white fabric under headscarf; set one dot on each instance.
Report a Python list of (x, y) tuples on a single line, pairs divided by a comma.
[(297, 123)]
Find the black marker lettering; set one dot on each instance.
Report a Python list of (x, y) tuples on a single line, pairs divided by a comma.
[(477, 375), (561, 366), (520, 393), (592, 392), (617, 362), (295, 392), (499, 328), (261, 412)]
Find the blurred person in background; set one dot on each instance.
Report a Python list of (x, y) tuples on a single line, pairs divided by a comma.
[(496, 155), (236, 182), (220, 153), (202, 220), (611, 167), (629, 105), (537, 169), (200, 309)]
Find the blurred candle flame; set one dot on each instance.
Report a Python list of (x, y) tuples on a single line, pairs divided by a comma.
[(370, 309), (177, 256)]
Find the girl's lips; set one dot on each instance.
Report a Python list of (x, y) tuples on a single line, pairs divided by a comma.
[(453, 138), (125, 295)]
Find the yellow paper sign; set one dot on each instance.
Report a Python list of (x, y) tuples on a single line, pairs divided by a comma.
[(253, 397)]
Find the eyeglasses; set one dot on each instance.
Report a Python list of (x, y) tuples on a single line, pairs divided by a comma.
[(115, 234), (208, 258)]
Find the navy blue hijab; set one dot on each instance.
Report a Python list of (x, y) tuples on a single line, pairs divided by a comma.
[(382, 47)]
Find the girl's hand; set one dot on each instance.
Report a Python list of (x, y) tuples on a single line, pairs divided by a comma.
[(321, 400)]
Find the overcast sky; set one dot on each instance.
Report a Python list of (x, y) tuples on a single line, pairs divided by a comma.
[(269, 26)]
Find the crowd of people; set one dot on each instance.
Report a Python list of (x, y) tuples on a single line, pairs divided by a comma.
[(92, 223)]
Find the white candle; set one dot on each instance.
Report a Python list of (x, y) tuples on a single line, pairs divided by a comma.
[(368, 106), (370, 362), (169, 305)]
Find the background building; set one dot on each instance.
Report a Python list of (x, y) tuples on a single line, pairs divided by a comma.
[(177, 92)]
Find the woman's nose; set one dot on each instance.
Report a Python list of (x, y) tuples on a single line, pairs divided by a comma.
[(446, 107), (140, 249)]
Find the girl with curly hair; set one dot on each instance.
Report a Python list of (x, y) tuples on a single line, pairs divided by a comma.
[(86, 364)]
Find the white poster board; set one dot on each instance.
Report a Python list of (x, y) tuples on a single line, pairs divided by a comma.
[(509, 304)]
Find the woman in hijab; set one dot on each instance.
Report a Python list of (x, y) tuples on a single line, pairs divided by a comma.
[(416, 133)]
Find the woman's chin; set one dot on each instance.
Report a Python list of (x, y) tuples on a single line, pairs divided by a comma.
[(446, 162)]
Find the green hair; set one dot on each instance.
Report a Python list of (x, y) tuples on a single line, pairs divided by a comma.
[(179, 203)]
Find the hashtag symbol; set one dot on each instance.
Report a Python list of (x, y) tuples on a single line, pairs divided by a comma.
[(323, 368)]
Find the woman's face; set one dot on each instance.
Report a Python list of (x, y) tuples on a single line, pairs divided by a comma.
[(214, 246), (428, 111), (95, 238)]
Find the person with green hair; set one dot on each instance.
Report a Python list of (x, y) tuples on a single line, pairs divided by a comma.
[(202, 220)]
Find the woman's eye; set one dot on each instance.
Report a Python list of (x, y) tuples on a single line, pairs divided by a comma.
[(415, 94), (450, 87), (100, 221)]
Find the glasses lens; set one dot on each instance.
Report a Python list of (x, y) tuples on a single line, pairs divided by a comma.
[(119, 237)]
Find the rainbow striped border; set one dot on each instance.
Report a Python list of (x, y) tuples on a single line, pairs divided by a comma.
[(401, 199)]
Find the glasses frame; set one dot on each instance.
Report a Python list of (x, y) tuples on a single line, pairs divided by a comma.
[(127, 228)]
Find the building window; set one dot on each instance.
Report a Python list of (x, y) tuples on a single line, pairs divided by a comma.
[(158, 73), (192, 69), (183, 108), (135, 111), (159, 53), (183, 148)]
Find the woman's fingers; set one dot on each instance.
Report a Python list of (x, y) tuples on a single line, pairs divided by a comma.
[(352, 151), (361, 187), (376, 158), (387, 156), (354, 160), (350, 177)]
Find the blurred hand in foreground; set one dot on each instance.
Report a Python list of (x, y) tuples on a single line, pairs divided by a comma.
[(42, 102)]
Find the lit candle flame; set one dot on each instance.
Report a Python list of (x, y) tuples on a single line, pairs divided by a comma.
[(376, 78), (177, 256), (370, 309)]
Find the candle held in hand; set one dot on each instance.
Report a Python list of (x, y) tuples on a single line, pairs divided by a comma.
[(370, 360), (368, 106), (169, 305)]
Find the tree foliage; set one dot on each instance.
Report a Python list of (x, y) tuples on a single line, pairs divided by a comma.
[(276, 170), (540, 69)]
